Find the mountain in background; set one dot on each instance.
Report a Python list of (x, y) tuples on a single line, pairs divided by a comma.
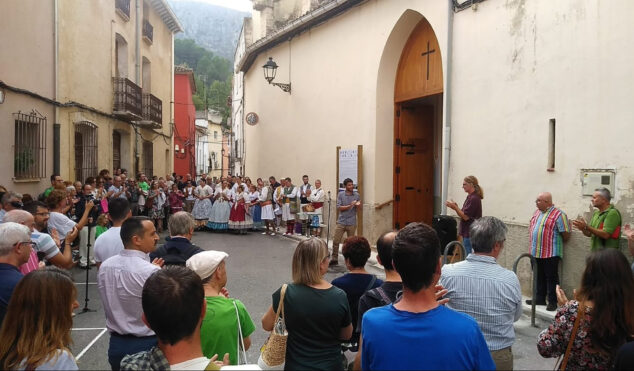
[(213, 27)]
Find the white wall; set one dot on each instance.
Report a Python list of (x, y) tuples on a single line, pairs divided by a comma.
[(519, 64)]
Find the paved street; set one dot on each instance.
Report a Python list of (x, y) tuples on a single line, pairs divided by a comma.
[(257, 265)]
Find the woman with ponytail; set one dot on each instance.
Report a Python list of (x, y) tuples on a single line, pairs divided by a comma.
[(471, 209)]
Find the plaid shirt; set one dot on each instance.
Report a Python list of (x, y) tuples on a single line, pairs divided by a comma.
[(152, 359)]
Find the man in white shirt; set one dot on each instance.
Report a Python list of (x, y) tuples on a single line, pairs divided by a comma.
[(290, 206), (118, 189), (109, 242), (120, 282), (176, 316)]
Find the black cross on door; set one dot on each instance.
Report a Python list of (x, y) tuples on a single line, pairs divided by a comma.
[(427, 53)]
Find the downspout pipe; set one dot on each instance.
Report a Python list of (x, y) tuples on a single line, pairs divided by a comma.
[(137, 75), (447, 108), (56, 125)]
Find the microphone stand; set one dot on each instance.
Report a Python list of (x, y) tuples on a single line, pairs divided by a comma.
[(329, 211), (85, 309)]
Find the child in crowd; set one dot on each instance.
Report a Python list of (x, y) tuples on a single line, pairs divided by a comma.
[(102, 225)]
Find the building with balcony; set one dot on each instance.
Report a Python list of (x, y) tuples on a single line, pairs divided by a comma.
[(101, 72), (184, 121)]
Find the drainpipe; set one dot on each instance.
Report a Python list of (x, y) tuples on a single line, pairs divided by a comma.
[(172, 109), (56, 125), (137, 75), (447, 109)]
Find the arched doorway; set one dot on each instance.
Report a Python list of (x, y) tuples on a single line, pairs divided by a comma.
[(418, 93)]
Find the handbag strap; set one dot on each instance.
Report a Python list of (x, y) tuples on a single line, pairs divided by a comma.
[(581, 311), (280, 306), (371, 283), (241, 349)]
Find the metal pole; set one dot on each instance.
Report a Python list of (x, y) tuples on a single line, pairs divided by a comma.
[(533, 266), (86, 309), (449, 245), (329, 211)]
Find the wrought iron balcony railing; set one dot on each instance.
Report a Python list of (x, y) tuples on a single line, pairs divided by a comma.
[(127, 98), (152, 109)]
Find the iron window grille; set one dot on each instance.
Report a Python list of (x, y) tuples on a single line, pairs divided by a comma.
[(85, 150), (148, 159), (29, 158)]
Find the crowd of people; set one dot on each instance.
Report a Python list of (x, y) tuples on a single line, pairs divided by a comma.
[(167, 306)]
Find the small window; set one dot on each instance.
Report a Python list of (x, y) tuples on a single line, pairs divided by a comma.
[(29, 159), (215, 135), (551, 145)]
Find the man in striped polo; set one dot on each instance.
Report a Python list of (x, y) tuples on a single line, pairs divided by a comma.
[(549, 229), (488, 292)]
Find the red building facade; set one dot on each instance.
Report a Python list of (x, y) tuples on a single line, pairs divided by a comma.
[(184, 121)]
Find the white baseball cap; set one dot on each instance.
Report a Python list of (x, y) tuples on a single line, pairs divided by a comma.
[(205, 263)]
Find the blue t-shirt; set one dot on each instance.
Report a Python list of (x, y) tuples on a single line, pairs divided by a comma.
[(9, 278), (439, 339)]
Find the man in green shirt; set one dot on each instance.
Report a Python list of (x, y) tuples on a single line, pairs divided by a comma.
[(225, 317), (605, 226), (56, 180)]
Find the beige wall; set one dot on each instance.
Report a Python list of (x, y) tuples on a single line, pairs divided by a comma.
[(87, 64), (27, 61)]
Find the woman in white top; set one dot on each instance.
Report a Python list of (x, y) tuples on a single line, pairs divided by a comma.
[(56, 201), (254, 214), (221, 209), (238, 215), (202, 206), (190, 198), (267, 214), (35, 334)]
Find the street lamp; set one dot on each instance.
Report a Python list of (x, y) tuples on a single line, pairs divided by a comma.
[(270, 69)]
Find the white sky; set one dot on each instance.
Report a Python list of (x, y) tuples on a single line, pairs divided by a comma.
[(242, 5)]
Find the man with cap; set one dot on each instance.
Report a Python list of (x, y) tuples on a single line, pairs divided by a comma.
[(219, 331)]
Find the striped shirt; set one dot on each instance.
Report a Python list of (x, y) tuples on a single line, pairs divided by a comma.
[(44, 244), (545, 233), (489, 293)]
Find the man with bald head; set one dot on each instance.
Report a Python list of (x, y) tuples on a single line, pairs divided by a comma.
[(44, 244), (549, 229)]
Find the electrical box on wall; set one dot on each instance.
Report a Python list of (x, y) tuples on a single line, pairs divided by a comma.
[(593, 179)]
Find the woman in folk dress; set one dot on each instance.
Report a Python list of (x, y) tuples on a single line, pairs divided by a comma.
[(255, 210), (202, 205), (237, 217), (219, 220)]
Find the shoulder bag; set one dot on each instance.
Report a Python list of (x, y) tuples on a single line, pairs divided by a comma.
[(273, 353), (242, 353)]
